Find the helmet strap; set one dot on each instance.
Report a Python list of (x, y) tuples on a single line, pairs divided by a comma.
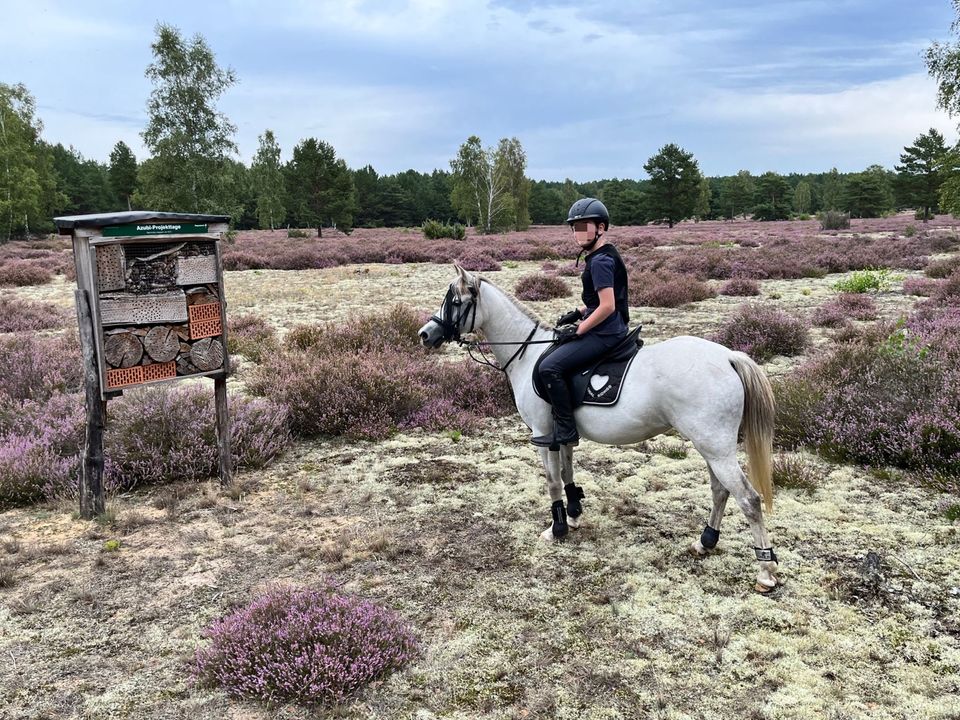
[(589, 248)]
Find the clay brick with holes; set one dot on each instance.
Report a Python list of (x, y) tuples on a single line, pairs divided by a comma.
[(205, 321), (159, 371), (122, 377)]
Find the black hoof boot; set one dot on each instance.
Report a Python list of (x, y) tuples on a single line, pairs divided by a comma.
[(560, 527), (574, 496), (709, 537)]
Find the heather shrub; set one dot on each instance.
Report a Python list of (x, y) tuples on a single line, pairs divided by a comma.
[(240, 260), (25, 315), (161, 434), (370, 377), (434, 230), (793, 472), (478, 261), (830, 315), (250, 336), (309, 646), (834, 220), (858, 307), (667, 289), (940, 269), (763, 333), (890, 396), (740, 286), (922, 287), (541, 287), (569, 270), (19, 273), (865, 280), (34, 368)]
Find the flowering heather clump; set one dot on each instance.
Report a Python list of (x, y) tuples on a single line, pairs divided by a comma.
[(250, 336), (891, 397), (34, 368), (370, 377), (763, 333), (569, 270), (740, 286), (302, 645), (667, 289), (24, 272), (922, 287), (858, 307), (941, 269), (477, 261), (26, 316), (238, 260), (541, 287), (830, 315)]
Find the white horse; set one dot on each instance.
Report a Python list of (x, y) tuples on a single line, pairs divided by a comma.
[(707, 392)]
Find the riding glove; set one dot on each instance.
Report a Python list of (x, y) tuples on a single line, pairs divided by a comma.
[(566, 333), (570, 317)]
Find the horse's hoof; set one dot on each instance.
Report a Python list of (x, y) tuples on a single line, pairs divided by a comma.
[(765, 589), (547, 536), (697, 549), (574, 523)]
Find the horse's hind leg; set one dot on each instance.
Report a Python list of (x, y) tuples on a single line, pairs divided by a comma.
[(711, 533), (731, 477), (559, 525)]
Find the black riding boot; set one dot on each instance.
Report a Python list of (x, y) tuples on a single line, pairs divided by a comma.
[(564, 426)]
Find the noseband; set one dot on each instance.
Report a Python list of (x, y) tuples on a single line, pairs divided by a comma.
[(452, 323)]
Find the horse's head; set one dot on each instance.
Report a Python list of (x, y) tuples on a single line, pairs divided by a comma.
[(458, 312)]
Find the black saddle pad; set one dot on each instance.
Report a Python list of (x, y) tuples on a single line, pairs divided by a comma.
[(601, 382)]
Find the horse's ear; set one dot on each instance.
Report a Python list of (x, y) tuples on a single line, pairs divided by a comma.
[(466, 279)]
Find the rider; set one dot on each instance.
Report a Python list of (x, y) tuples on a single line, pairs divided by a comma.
[(602, 319)]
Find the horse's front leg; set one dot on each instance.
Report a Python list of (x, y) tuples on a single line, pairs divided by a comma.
[(574, 494), (559, 525)]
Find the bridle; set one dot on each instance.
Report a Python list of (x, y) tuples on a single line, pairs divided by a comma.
[(452, 325)]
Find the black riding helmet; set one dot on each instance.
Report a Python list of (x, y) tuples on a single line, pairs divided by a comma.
[(589, 209)]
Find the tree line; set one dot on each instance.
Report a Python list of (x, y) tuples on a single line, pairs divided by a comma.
[(193, 167)]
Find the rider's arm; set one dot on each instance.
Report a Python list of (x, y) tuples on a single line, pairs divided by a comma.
[(608, 306)]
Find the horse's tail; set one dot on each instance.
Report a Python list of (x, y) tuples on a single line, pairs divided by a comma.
[(757, 423)]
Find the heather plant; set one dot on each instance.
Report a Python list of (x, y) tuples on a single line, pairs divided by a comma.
[(922, 287), (478, 261), (297, 233), (251, 336), (541, 287), (830, 315), (667, 289), (34, 367), (18, 315), (309, 646), (940, 269), (864, 281), (856, 306), (740, 286), (19, 273), (793, 472), (369, 378), (763, 333), (239, 260)]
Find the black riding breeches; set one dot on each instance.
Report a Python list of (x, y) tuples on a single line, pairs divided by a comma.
[(576, 355)]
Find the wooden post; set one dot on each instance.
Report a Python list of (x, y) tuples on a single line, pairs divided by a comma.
[(91, 478), (223, 430)]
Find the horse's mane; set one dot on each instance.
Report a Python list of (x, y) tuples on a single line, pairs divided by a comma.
[(513, 298)]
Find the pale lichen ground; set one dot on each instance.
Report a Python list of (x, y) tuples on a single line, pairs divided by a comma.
[(617, 622)]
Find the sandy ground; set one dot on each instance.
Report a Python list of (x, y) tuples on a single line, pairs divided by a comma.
[(617, 622)]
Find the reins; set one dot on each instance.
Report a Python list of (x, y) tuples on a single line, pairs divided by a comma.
[(478, 345)]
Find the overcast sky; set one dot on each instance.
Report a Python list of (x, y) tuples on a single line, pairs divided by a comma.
[(591, 88)]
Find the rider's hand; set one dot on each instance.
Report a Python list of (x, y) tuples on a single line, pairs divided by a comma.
[(566, 333), (570, 317)]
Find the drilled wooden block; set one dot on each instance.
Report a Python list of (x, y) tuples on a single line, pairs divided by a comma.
[(168, 307), (196, 270), (110, 268)]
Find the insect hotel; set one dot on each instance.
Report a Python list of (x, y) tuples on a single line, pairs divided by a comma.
[(151, 309)]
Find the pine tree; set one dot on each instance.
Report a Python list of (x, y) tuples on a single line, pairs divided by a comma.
[(919, 172), (320, 187), (772, 197), (674, 183), (123, 172), (736, 197)]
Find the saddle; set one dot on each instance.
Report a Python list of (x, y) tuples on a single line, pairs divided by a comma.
[(601, 382)]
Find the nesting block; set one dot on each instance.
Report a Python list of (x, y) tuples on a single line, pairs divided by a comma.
[(205, 321), (110, 268), (169, 307), (159, 371), (196, 270)]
